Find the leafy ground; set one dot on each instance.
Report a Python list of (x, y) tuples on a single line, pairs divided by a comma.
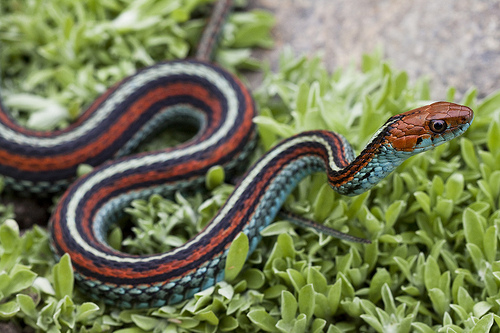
[(432, 265)]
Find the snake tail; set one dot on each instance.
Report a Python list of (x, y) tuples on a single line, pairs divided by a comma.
[(212, 31), (320, 228)]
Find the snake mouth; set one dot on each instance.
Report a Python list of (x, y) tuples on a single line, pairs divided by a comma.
[(465, 126)]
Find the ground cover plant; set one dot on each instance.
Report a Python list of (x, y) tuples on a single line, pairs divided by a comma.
[(432, 265)]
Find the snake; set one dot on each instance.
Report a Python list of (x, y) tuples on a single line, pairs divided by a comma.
[(204, 96)]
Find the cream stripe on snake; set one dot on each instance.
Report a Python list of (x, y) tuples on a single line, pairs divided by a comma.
[(120, 95)]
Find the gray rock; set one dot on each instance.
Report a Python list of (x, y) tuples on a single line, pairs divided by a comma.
[(453, 42)]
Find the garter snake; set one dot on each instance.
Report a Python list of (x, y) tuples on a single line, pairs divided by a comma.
[(203, 94)]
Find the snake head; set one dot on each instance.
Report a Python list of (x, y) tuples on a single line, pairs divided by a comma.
[(429, 126)]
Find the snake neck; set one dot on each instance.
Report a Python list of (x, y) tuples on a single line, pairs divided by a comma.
[(346, 175), (373, 164)]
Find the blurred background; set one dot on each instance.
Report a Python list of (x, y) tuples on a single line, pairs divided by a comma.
[(453, 42)]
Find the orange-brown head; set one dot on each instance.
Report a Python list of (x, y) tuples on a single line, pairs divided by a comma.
[(401, 137), (428, 126)]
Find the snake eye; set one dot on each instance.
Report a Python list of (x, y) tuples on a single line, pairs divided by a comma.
[(437, 126)]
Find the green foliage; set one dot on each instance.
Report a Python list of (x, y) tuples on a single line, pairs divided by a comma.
[(236, 256), (26, 292), (160, 224), (433, 262)]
